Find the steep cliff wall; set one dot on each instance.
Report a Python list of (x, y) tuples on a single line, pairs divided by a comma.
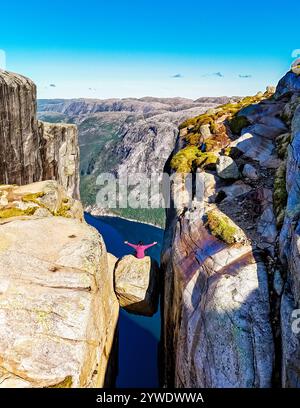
[(224, 264), (290, 239), (32, 151), (58, 308)]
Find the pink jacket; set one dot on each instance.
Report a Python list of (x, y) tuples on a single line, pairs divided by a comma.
[(140, 249)]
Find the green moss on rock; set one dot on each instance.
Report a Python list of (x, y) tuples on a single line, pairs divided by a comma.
[(33, 198), (184, 160), (66, 383), (282, 143), (63, 211), (16, 212), (238, 123), (222, 227), (280, 194), (206, 160), (191, 157)]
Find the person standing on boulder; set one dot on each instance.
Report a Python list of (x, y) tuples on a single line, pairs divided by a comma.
[(140, 248)]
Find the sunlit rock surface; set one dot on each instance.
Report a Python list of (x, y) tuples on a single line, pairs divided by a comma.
[(58, 310), (216, 305), (44, 198)]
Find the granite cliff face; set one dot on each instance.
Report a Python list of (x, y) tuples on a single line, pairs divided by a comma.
[(290, 238), (31, 150), (58, 308), (231, 252)]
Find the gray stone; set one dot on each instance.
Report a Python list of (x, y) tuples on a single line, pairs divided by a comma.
[(227, 168), (250, 172), (290, 83), (205, 131), (236, 189), (269, 131), (278, 282), (257, 148), (258, 111)]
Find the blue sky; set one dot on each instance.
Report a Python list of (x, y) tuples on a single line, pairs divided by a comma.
[(102, 49)]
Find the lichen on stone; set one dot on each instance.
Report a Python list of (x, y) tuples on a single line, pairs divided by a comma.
[(282, 143), (183, 161), (191, 157), (206, 160), (238, 123), (33, 198), (280, 194), (63, 211), (16, 212), (66, 383)]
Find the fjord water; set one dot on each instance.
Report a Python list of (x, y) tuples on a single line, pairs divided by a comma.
[(138, 335)]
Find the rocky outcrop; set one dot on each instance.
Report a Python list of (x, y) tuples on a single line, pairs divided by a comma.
[(60, 155), (58, 311), (137, 284), (222, 272), (32, 151), (44, 199), (290, 252), (247, 289), (288, 85)]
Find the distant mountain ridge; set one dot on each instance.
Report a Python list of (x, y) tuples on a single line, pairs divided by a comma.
[(146, 104), (120, 134)]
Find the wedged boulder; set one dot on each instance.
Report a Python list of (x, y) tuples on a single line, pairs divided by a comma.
[(137, 285), (58, 310), (111, 261)]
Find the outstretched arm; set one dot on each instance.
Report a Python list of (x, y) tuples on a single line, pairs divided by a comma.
[(131, 245), (150, 245)]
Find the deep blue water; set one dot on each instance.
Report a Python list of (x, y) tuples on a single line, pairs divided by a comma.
[(138, 335)]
